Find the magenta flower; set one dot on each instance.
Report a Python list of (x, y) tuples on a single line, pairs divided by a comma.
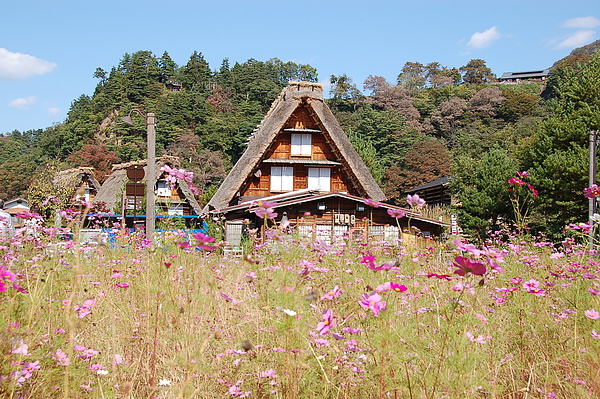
[(5, 277), (372, 302), (203, 239), (466, 265), (398, 287), (372, 203), (534, 192), (327, 323), (396, 213), (592, 192), (516, 181), (415, 200), (523, 174)]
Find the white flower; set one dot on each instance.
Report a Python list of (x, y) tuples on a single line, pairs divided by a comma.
[(164, 382), (102, 372), (286, 311)]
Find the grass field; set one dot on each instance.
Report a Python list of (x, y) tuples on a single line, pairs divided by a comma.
[(296, 318)]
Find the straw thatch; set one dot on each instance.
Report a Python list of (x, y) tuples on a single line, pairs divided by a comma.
[(68, 181), (289, 99), (111, 191)]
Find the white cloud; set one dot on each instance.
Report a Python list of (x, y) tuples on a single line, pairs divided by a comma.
[(18, 66), (582, 23), (577, 39), (23, 103), (53, 111), (485, 38)]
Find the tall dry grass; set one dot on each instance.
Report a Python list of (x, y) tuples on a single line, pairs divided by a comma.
[(135, 320)]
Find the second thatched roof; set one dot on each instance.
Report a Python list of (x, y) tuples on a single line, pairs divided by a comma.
[(113, 187)]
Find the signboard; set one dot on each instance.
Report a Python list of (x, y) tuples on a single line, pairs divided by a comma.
[(135, 173)]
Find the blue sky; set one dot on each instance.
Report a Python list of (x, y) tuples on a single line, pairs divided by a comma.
[(49, 50)]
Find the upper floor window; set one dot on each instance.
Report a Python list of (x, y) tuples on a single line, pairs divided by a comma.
[(319, 179), (282, 178), (301, 144)]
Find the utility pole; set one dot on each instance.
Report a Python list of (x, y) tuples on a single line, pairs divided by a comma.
[(150, 175), (150, 119), (593, 138)]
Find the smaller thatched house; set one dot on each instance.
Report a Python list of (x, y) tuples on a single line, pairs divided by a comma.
[(121, 195), (76, 184)]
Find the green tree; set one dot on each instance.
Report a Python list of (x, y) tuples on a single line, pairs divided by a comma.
[(480, 186), (196, 74), (557, 153), (413, 76), (477, 72)]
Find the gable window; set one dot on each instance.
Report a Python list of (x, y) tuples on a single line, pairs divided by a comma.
[(301, 144), (319, 179), (282, 178), (163, 189)]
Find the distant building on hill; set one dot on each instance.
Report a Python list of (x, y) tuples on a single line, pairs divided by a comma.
[(517, 77), (436, 192)]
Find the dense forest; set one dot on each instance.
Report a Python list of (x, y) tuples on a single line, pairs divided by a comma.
[(434, 121)]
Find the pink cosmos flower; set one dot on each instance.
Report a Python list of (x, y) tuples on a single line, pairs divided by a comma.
[(327, 323), (479, 339), (396, 213), (440, 276), (229, 299), (372, 302), (467, 247), (5, 277), (204, 239), (372, 203), (335, 292), (264, 209), (534, 192), (415, 200), (592, 314), (516, 181), (398, 287), (466, 265), (61, 358), (592, 192)]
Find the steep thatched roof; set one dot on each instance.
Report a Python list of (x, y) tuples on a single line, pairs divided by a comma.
[(289, 99), (66, 181), (113, 187)]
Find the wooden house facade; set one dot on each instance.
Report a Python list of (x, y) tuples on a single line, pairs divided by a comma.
[(300, 159)]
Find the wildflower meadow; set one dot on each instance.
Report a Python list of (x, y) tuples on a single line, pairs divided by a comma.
[(513, 317)]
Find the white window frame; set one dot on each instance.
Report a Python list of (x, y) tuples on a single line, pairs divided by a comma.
[(163, 189), (282, 178), (319, 179), (301, 144)]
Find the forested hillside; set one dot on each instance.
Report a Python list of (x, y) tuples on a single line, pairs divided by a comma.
[(433, 121)]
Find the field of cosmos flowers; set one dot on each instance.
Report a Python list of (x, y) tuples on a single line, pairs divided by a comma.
[(514, 317)]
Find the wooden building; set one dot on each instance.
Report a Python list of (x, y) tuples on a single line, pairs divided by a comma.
[(300, 158), (77, 184), (436, 192), (123, 194)]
